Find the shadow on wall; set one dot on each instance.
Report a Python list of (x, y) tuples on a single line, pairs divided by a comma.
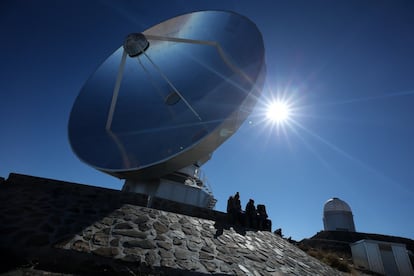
[(37, 213)]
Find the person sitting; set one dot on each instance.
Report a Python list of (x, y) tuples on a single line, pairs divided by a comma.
[(278, 232)]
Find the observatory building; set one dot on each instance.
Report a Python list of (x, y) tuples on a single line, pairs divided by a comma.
[(337, 216)]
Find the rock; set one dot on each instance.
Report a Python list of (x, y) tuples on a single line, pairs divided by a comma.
[(164, 219), (251, 247), (177, 241), (165, 254), (224, 268), (153, 213), (107, 221), (151, 234), (245, 270), (207, 226), (160, 227), (253, 257), (261, 256), (272, 264), (168, 263), (176, 234), (205, 256), (161, 237), (192, 246), (130, 233), (207, 249), (223, 249), (164, 245), (209, 243), (106, 251), (175, 226), (210, 266), (123, 225), (243, 251), (100, 239), (144, 227), (303, 264), (181, 254), (183, 220), (131, 258), (195, 232), (187, 265), (207, 234), (150, 258), (270, 269), (130, 217), (196, 239), (114, 242), (226, 258), (141, 219), (88, 234), (187, 231), (97, 225), (80, 245), (106, 230), (144, 244), (133, 251)]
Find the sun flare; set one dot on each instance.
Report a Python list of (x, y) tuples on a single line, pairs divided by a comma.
[(278, 112)]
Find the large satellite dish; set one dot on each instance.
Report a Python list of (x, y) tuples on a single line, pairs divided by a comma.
[(169, 96)]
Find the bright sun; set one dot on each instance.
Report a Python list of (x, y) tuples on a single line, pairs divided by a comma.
[(278, 112)]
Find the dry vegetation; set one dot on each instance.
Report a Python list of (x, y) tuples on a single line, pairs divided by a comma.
[(342, 262)]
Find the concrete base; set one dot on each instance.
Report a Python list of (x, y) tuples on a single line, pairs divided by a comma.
[(177, 187)]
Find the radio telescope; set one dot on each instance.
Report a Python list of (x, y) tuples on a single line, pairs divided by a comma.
[(156, 109)]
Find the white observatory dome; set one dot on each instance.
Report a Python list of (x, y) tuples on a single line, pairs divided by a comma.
[(335, 204), (337, 216)]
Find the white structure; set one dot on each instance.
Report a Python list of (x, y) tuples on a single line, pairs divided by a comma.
[(188, 185), (337, 216), (382, 257)]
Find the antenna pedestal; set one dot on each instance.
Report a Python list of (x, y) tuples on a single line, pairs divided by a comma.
[(183, 186)]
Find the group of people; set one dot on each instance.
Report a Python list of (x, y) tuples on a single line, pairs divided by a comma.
[(252, 217)]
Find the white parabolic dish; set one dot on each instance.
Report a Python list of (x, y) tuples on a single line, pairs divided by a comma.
[(174, 103)]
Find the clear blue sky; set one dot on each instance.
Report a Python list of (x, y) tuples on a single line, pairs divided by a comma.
[(347, 66)]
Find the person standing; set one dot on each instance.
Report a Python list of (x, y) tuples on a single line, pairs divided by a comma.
[(263, 223), (251, 214), (230, 204), (236, 203), (237, 209)]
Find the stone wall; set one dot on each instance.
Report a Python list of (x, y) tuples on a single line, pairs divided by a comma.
[(83, 230)]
